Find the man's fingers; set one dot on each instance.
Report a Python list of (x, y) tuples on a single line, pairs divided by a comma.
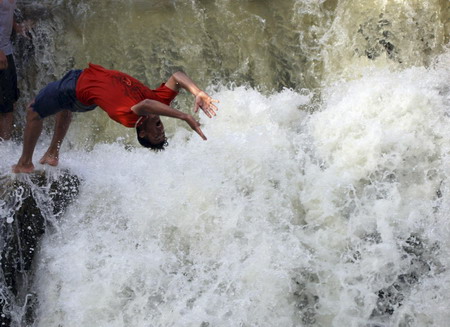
[(212, 106), (212, 109), (207, 113), (207, 106), (195, 125), (199, 132)]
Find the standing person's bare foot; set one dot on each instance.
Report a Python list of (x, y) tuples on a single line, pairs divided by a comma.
[(23, 168), (49, 159)]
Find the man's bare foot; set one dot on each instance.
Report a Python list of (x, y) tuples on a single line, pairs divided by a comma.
[(23, 168), (49, 160)]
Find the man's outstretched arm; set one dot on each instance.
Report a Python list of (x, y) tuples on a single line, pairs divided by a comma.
[(202, 99), (153, 107)]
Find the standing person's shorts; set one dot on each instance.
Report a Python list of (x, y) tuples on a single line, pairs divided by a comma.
[(9, 93), (60, 95)]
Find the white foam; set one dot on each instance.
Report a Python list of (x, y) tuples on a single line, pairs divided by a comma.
[(280, 218)]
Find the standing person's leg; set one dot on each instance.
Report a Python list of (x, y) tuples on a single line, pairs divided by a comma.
[(8, 96), (33, 129), (6, 123), (62, 123)]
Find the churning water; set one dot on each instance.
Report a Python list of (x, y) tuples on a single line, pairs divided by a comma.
[(321, 198)]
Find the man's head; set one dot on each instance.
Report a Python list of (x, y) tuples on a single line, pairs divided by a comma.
[(150, 133)]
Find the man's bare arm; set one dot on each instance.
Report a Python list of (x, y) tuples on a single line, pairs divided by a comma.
[(20, 29), (149, 107), (23, 28)]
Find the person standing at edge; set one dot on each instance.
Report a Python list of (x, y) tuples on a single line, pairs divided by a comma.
[(125, 99), (8, 76)]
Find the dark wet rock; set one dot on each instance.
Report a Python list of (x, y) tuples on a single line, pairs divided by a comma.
[(420, 255), (378, 39), (305, 297), (421, 258), (28, 206)]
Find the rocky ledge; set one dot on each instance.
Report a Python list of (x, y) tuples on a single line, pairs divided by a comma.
[(29, 204)]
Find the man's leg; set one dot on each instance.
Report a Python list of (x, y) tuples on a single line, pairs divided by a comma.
[(62, 123), (6, 125), (33, 129)]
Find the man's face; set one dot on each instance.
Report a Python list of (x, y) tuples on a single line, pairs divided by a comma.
[(153, 129)]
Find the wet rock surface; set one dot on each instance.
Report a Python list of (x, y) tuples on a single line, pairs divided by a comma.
[(28, 206), (421, 256)]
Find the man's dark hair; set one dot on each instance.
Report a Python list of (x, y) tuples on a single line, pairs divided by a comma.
[(147, 144)]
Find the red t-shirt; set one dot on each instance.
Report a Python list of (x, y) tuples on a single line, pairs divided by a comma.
[(116, 92)]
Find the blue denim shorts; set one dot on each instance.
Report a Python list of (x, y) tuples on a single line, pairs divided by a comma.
[(60, 95)]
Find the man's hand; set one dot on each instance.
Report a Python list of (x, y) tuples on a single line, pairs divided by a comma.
[(195, 125), (205, 102), (3, 61), (23, 28)]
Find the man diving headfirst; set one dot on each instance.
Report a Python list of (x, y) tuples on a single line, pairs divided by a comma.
[(125, 99)]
